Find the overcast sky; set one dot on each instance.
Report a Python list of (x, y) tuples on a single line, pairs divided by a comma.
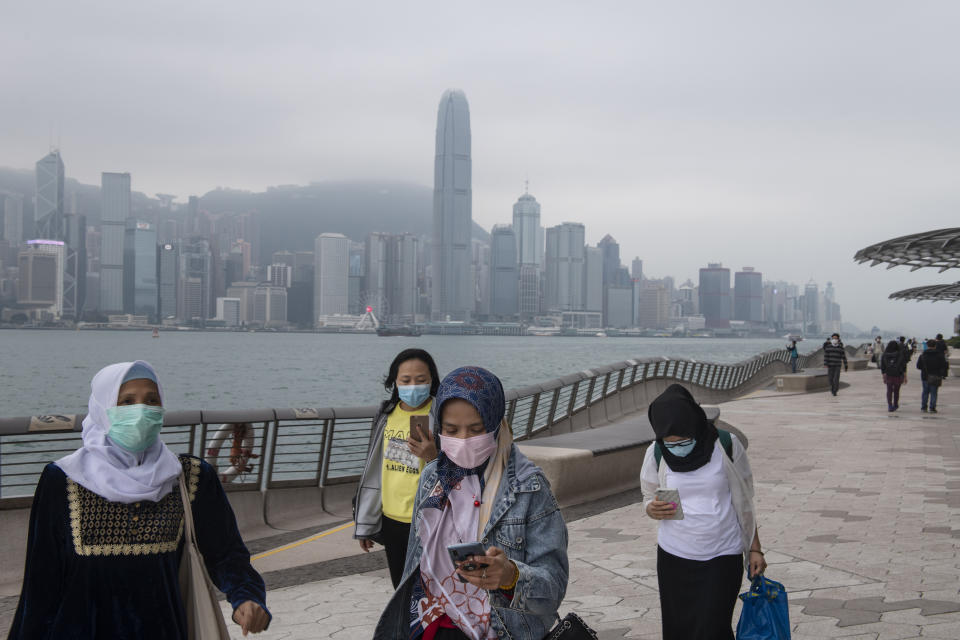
[(784, 136)]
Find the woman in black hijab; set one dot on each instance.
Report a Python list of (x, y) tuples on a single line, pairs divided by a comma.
[(704, 543)]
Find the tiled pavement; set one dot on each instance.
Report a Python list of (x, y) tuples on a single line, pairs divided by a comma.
[(859, 514)]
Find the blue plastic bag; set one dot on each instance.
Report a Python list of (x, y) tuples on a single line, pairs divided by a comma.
[(765, 615)]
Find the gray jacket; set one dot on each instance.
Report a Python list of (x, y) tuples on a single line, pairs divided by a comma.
[(527, 524), (368, 503)]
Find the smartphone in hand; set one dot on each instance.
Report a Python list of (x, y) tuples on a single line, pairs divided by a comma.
[(460, 552), (671, 495), (420, 428)]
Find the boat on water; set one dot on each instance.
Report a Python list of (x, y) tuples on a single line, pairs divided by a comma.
[(404, 330), (156, 332)]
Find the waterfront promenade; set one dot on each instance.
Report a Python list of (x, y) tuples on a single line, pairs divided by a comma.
[(859, 514)]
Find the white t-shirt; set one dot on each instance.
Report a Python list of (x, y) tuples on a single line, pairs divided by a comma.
[(709, 527)]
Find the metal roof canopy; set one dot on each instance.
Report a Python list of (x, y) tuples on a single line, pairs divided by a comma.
[(931, 293), (938, 249)]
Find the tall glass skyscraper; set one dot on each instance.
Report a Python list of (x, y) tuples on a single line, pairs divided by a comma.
[(565, 253), (452, 293), (49, 211), (114, 211), (140, 292), (529, 234), (504, 276)]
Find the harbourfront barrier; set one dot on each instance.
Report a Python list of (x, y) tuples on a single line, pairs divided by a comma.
[(317, 448)]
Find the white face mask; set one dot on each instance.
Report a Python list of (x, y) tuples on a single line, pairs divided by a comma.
[(834, 341)]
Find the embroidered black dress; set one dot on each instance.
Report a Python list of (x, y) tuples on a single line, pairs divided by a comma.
[(100, 569)]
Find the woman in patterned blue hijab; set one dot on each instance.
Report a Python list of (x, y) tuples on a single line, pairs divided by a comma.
[(484, 391)]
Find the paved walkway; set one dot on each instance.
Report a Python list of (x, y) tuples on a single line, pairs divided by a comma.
[(859, 514)]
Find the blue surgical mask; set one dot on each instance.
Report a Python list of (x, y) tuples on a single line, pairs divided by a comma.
[(413, 395), (135, 427), (681, 448)]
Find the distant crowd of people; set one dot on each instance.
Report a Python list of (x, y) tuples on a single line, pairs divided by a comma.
[(894, 360)]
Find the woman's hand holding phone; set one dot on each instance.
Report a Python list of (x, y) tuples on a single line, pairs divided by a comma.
[(659, 510), (420, 442), (499, 570)]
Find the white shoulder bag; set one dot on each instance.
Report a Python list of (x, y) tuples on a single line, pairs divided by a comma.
[(204, 618)]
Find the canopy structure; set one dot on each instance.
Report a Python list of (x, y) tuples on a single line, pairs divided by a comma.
[(932, 293), (937, 249)]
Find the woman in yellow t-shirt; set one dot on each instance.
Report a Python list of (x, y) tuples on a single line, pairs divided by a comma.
[(384, 504)]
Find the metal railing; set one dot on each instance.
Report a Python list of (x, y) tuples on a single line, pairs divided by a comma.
[(327, 446)]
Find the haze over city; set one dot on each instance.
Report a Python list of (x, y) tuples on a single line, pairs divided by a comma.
[(779, 138)]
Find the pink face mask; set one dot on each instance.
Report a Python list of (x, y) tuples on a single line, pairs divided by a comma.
[(468, 453)]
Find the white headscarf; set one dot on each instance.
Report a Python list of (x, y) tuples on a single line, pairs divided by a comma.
[(108, 470)]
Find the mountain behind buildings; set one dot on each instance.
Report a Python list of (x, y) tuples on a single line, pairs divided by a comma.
[(291, 216)]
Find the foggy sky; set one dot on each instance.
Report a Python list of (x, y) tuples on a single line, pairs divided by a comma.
[(779, 136)]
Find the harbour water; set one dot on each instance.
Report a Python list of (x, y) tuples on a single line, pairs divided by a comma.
[(50, 371)]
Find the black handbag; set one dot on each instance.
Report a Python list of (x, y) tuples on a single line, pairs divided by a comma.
[(572, 627)]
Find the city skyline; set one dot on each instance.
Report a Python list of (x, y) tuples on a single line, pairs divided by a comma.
[(659, 125), (588, 285)]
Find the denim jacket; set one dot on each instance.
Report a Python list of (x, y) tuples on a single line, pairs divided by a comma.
[(527, 525)]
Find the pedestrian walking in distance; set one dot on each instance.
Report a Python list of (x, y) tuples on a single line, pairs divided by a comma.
[(933, 369), (834, 355), (794, 355), (893, 364)]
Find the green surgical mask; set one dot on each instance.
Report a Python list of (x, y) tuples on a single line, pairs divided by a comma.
[(135, 427)]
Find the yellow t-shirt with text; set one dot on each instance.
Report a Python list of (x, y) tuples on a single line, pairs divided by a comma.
[(401, 469)]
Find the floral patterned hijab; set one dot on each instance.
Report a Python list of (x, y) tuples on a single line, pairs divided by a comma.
[(456, 511)]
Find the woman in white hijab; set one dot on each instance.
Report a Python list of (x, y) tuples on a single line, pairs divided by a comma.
[(106, 527)]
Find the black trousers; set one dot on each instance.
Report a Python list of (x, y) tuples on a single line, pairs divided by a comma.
[(697, 597), (394, 535), (833, 375)]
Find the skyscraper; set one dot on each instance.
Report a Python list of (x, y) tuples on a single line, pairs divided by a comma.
[(49, 202), (195, 303), (593, 279), (565, 267), (114, 211), (530, 241), (811, 308), (403, 293), (715, 296), (13, 231), (526, 226), (452, 294), (332, 264), (168, 268), (748, 295), (41, 264), (140, 292), (375, 273), (75, 267), (504, 277)]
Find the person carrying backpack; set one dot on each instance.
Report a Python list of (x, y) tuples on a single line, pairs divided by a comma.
[(893, 364), (701, 556), (933, 369)]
